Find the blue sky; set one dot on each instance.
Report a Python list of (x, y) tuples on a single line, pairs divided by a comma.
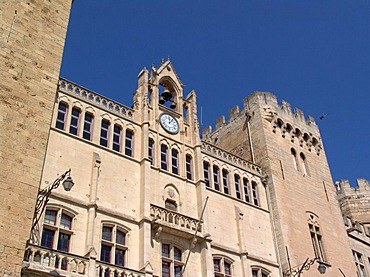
[(313, 54)]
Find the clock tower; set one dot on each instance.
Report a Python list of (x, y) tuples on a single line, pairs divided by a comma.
[(171, 158)]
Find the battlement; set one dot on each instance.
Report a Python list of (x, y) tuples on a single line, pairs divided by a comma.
[(344, 188), (290, 124), (354, 201), (269, 103), (234, 113), (268, 100)]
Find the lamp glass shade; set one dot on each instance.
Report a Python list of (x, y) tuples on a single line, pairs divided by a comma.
[(68, 183), (322, 268)]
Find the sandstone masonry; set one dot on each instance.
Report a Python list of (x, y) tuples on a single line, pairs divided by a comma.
[(31, 47)]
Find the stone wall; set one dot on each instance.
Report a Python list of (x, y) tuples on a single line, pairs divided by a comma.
[(355, 201), (288, 147), (31, 47)]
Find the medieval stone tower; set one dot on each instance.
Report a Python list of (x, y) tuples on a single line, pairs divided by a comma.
[(305, 216), (31, 47), (355, 200)]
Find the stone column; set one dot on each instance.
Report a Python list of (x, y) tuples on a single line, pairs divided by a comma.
[(91, 214)]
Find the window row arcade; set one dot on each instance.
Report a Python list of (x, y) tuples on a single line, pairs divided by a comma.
[(82, 124), (221, 180)]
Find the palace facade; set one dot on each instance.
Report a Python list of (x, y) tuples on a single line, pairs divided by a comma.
[(153, 197)]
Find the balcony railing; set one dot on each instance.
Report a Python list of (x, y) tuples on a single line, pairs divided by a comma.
[(45, 260), (104, 269), (172, 217)]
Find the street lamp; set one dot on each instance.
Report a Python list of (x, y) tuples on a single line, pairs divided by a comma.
[(297, 271), (43, 198), (321, 268)]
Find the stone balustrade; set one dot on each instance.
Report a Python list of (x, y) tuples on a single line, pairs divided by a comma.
[(42, 259), (96, 99), (230, 158), (108, 270), (45, 260), (172, 217)]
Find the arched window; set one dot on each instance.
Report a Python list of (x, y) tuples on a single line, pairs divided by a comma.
[(280, 123), (88, 122), (175, 161), (185, 113), (237, 186), (247, 197), (255, 193), (164, 157), (189, 166), (225, 180), (360, 264), (288, 128), (151, 150), (306, 137), (57, 229), (304, 164), (222, 266), (216, 177), (294, 158), (117, 137), (316, 237), (172, 260), (104, 132), (260, 272), (57, 232), (62, 116), (129, 143), (206, 173), (113, 244), (75, 121)]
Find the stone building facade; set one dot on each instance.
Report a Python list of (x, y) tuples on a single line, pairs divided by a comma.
[(31, 48), (306, 218), (150, 197), (354, 202)]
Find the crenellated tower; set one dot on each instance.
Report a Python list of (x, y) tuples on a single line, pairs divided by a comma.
[(355, 200), (305, 215)]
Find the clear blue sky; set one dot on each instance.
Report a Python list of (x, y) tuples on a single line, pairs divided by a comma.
[(313, 54)]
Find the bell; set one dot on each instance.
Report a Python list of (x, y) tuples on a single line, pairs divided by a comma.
[(173, 105), (166, 94), (161, 100)]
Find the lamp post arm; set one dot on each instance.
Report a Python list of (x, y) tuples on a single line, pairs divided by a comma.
[(43, 198), (297, 270)]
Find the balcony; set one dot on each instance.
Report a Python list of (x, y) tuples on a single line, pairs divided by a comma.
[(48, 262), (174, 222)]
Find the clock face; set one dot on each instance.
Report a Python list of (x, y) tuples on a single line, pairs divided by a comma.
[(169, 123)]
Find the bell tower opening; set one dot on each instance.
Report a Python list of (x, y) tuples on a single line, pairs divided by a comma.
[(167, 95)]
